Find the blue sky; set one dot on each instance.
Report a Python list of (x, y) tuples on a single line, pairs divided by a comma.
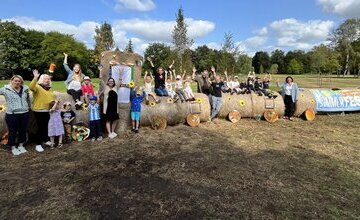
[(256, 24)]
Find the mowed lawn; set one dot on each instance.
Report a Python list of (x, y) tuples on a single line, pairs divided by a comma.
[(304, 81)]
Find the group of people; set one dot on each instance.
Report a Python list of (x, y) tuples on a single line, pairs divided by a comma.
[(55, 119)]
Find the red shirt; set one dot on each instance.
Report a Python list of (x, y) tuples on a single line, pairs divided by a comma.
[(87, 89)]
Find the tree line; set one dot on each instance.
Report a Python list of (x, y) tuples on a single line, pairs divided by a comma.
[(22, 50)]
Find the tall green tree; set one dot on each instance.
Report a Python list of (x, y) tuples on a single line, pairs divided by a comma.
[(229, 52), (342, 38), (244, 64), (12, 45), (324, 60), (160, 54), (261, 58), (295, 67), (129, 47), (104, 40), (181, 41), (278, 57), (204, 57)]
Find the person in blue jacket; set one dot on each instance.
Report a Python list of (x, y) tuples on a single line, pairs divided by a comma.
[(136, 97), (290, 93)]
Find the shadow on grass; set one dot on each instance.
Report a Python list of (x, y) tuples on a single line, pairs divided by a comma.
[(198, 174)]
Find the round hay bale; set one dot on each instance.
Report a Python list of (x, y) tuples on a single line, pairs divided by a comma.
[(241, 103), (3, 106), (193, 120), (158, 123), (306, 100), (175, 113), (258, 105), (271, 116), (234, 116), (310, 114)]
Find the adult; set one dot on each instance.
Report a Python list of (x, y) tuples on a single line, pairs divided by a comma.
[(203, 81), (42, 97), (159, 75), (290, 93), (216, 95), (17, 113), (73, 81), (110, 103)]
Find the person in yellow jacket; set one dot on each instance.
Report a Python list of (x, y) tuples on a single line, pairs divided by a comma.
[(42, 97)]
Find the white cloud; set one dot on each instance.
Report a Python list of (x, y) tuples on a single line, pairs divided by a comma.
[(137, 5), (296, 34), (345, 8), (156, 30), (83, 32)]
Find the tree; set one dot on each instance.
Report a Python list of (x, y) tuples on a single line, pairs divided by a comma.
[(295, 67), (203, 58), (181, 40), (129, 47), (103, 38), (244, 64), (301, 57), (274, 69), (228, 54), (342, 38), (324, 59), (12, 45), (278, 57), (261, 59), (160, 54)]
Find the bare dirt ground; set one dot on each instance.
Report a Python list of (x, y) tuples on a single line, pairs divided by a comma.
[(219, 170)]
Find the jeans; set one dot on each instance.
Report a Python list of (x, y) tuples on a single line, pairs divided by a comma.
[(161, 92), (76, 94), (95, 129), (216, 105), (17, 125), (42, 121)]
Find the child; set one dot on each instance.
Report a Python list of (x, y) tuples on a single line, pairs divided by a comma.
[(136, 97), (179, 89), (55, 126), (148, 88), (94, 119), (258, 86), (87, 89), (231, 84), (169, 84), (188, 90), (68, 117), (242, 87)]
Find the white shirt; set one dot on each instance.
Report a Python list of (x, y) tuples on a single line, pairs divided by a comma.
[(75, 85), (288, 88)]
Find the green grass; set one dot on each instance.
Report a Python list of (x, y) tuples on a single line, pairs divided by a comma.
[(304, 81)]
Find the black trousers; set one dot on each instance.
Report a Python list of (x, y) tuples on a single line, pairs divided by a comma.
[(95, 129), (289, 106), (17, 125), (42, 121), (76, 94)]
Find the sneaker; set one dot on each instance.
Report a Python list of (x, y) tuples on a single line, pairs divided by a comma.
[(39, 148), (22, 149), (114, 134), (93, 139), (111, 136), (99, 138), (15, 151), (48, 143)]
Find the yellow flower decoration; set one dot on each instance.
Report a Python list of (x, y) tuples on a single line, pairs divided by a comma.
[(229, 98), (312, 101), (170, 100), (242, 103), (152, 104), (85, 107), (132, 84), (199, 100), (302, 95), (2, 108)]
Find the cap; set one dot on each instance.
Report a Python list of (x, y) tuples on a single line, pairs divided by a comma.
[(87, 78), (93, 97), (178, 77)]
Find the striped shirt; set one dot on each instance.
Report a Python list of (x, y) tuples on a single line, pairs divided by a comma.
[(94, 112)]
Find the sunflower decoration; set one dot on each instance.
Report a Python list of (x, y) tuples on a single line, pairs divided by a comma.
[(2, 108), (229, 98), (302, 95), (199, 100), (152, 104), (85, 107), (242, 103), (170, 100), (312, 101), (132, 84)]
